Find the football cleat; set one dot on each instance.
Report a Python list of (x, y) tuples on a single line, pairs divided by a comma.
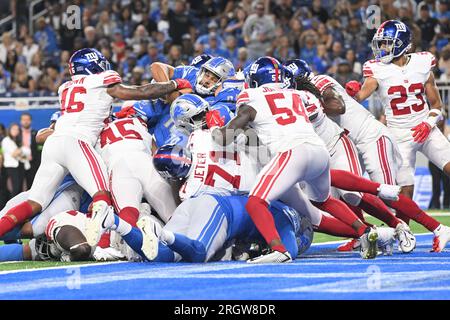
[(351, 245), (102, 218), (150, 241), (406, 239), (389, 192), (368, 241), (107, 254), (441, 237), (272, 257), (386, 239)]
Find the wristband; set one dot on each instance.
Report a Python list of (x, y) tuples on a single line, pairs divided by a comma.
[(432, 120)]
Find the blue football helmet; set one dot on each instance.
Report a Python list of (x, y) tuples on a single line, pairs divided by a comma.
[(265, 70), (172, 162), (220, 67), (296, 68), (88, 61), (200, 60), (188, 112), (392, 39)]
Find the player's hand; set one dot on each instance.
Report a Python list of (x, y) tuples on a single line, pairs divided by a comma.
[(352, 88), (182, 84), (421, 132), (125, 112), (214, 119)]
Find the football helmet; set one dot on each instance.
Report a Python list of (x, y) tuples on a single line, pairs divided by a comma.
[(392, 39), (188, 112), (265, 70), (200, 60), (220, 67), (88, 61), (172, 162), (296, 68)]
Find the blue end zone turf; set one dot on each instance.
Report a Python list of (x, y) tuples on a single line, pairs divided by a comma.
[(322, 273)]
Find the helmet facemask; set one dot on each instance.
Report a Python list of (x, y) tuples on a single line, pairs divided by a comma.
[(384, 48), (200, 85)]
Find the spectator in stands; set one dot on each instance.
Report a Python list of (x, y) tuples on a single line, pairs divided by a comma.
[(344, 72), (236, 24), (231, 49), (125, 23), (105, 26), (321, 62), (187, 46), (355, 65), (90, 37), (140, 37), (151, 56), (212, 29), (343, 12), (283, 51), (6, 46), (30, 49), (16, 158), (137, 75), (11, 60), (46, 38), (325, 37), (309, 51), (22, 81), (35, 68), (118, 46), (318, 11), (294, 34), (243, 60), (258, 32), (428, 26), (174, 58), (213, 48), (5, 79), (444, 64), (51, 79), (179, 22), (28, 140)]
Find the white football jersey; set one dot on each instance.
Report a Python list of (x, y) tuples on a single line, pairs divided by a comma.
[(85, 105), (357, 120), (217, 169), (401, 89), (281, 121), (122, 137), (326, 129)]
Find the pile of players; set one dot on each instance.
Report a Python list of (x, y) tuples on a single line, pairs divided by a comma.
[(208, 164)]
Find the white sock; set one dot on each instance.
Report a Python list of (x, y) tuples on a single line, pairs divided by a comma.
[(121, 226), (437, 231), (167, 236)]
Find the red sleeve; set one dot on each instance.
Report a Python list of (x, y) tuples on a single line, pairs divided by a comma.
[(242, 98), (111, 77), (322, 83), (367, 69)]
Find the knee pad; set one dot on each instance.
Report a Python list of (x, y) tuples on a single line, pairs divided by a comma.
[(80, 252)]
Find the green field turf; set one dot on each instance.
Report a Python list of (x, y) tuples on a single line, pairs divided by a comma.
[(441, 216)]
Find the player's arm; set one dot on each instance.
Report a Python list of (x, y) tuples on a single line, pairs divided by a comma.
[(148, 91), (368, 87), (225, 135), (422, 130), (162, 72), (44, 133), (333, 104)]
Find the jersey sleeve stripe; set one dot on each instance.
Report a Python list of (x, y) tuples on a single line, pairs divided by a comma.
[(112, 80), (323, 84), (367, 72)]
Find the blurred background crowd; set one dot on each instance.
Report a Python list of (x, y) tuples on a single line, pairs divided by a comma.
[(331, 35)]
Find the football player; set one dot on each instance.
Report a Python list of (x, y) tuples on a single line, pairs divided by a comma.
[(85, 104), (406, 86), (279, 117)]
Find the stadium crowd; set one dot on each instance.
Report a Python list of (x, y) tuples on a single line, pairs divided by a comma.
[(330, 35)]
